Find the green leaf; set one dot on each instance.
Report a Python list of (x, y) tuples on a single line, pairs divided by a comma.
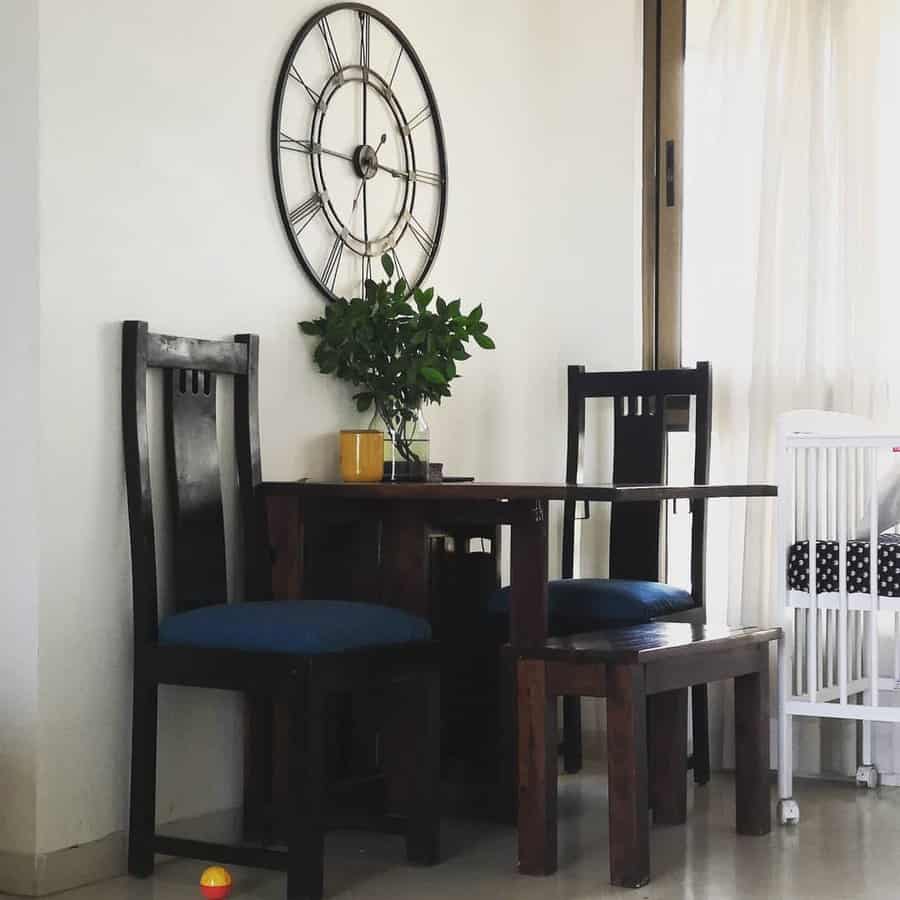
[(484, 341), (453, 308), (314, 327), (460, 354), (475, 315), (363, 401), (441, 307), (433, 375), (388, 265)]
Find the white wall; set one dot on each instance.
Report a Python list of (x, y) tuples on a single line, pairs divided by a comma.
[(19, 374), (156, 203)]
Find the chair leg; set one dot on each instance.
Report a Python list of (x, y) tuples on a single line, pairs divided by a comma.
[(700, 733), (142, 817), (509, 718), (258, 753), (571, 743), (423, 833), (306, 825), (667, 751)]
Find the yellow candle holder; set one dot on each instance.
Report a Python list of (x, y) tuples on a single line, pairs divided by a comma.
[(362, 454)]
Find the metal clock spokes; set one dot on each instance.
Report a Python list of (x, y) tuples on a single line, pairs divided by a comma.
[(407, 222)]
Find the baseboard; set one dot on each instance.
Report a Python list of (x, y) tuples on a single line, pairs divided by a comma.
[(26, 875), (18, 874)]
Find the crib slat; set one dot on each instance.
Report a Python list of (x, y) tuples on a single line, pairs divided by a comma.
[(843, 625), (896, 648), (812, 621), (873, 575)]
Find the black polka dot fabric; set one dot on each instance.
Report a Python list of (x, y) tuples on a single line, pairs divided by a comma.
[(828, 566)]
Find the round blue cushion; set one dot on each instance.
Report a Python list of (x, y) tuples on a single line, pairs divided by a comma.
[(585, 603), (308, 627)]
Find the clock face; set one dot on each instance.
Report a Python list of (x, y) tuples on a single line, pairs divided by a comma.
[(357, 152)]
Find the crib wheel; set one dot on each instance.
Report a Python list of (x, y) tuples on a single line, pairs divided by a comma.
[(867, 776), (788, 812)]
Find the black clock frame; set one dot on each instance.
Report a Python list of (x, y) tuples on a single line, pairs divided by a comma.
[(275, 138)]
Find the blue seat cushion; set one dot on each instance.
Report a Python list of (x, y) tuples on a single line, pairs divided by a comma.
[(583, 603), (309, 627)]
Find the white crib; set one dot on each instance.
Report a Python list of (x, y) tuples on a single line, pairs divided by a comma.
[(828, 661)]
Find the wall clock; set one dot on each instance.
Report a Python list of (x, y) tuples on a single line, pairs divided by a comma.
[(358, 152)]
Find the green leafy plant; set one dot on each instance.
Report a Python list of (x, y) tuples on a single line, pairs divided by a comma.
[(400, 349)]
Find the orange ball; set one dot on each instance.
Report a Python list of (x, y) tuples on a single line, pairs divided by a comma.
[(215, 883)]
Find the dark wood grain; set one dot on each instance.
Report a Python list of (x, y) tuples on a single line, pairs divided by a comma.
[(196, 484), (305, 798), (302, 684), (284, 529), (257, 569), (483, 490), (626, 743), (645, 672), (751, 748), (423, 830), (537, 800), (165, 351), (405, 559), (667, 728), (652, 642), (528, 574)]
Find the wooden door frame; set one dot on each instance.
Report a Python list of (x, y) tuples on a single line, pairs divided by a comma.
[(662, 158)]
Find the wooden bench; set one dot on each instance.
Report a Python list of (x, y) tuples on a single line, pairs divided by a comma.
[(644, 672)]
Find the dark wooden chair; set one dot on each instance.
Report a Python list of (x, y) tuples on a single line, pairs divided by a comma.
[(300, 653), (632, 594)]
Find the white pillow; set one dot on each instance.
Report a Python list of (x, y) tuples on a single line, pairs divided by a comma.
[(888, 500)]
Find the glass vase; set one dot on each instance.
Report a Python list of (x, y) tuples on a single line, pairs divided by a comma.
[(406, 446)]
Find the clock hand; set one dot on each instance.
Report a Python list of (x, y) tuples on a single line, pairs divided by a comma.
[(303, 146), (362, 184), (335, 154)]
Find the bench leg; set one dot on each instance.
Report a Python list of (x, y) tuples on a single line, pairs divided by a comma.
[(537, 770), (626, 737), (751, 748), (667, 715)]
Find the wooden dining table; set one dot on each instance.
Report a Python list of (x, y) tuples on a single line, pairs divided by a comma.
[(406, 512), (402, 518)]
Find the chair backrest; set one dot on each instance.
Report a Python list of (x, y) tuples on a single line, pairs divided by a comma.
[(639, 457), (192, 458)]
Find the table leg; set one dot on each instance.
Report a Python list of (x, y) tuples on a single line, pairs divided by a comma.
[(405, 585), (537, 771), (528, 575), (404, 559), (667, 726), (626, 740), (284, 531), (751, 748)]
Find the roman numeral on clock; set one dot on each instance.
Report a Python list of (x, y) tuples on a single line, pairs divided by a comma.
[(302, 215)]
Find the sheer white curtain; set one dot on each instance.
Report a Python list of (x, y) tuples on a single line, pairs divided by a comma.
[(790, 245)]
